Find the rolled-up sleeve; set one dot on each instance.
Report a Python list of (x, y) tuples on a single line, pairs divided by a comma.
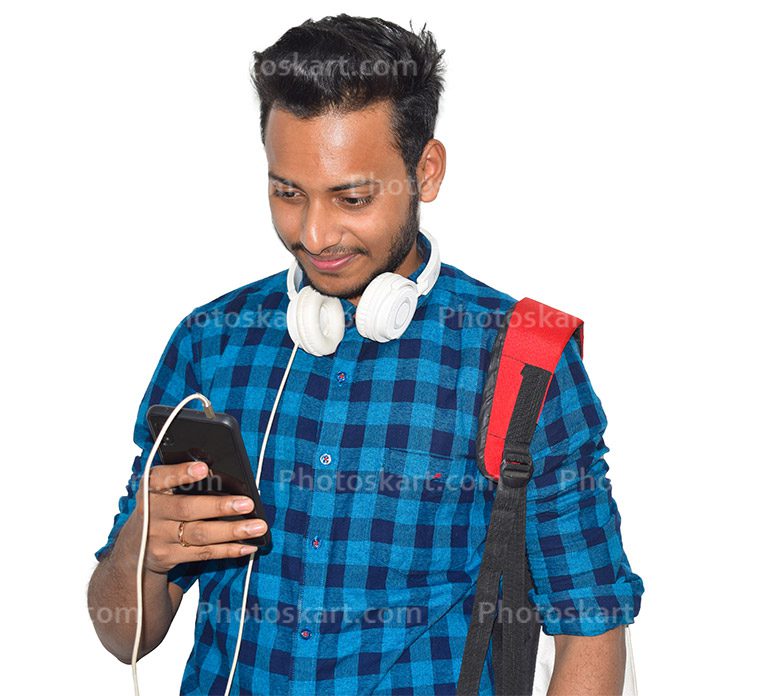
[(174, 378), (583, 582)]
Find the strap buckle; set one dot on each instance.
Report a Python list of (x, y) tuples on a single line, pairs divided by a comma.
[(516, 473)]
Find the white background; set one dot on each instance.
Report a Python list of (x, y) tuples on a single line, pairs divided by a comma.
[(607, 158)]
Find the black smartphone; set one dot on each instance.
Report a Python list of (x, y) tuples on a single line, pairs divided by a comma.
[(192, 436)]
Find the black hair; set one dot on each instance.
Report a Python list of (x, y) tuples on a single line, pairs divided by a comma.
[(343, 63)]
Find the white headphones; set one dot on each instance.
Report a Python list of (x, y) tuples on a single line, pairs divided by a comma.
[(316, 322)]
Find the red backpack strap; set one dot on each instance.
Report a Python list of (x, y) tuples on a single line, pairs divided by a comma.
[(526, 351), (529, 343)]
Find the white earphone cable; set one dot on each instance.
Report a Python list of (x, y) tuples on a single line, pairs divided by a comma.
[(632, 666), (251, 557), (146, 522)]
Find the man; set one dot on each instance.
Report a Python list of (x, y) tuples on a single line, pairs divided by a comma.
[(364, 590)]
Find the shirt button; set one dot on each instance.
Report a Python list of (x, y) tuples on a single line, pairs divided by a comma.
[(326, 458), (305, 633), (341, 377), (316, 542)]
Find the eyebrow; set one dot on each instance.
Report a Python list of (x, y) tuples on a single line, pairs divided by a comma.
[(338, 187)]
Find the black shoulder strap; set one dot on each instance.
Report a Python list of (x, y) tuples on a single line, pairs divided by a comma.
[(521, 367)]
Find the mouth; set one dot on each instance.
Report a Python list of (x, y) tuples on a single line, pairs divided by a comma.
[(331, 264)]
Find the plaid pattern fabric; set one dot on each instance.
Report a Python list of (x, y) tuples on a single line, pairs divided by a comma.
[(377, 509)]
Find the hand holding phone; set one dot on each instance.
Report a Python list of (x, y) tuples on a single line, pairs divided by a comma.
[(217, 443), (214, 527)]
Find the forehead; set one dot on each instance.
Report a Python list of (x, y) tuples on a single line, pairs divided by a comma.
[(325, 148)]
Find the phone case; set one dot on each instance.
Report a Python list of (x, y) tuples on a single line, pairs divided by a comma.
[(192, 436)]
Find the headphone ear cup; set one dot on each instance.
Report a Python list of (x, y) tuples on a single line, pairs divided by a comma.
[(386, 307), (316, 322)]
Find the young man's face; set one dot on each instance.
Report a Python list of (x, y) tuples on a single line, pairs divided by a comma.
[(338, 187)]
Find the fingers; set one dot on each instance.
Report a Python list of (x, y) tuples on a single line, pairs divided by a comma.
[(207, 538), (188, 507), (162, 557), (164, 477), (215, 551), (217, 532), (201, 507)]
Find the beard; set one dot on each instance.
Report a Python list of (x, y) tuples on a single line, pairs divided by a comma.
[(399, 249)]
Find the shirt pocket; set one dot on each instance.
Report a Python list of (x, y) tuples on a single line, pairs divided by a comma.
[(421, 512)]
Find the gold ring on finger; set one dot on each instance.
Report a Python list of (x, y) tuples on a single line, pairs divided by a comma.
[(180, 534)]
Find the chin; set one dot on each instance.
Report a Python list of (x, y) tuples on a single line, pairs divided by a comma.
[(334, 285), (335, 290)]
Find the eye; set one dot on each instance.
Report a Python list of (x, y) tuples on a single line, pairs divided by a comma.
[(288, 195), (357, 202)]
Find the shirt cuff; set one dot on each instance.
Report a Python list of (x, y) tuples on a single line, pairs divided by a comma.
[(589, 611)]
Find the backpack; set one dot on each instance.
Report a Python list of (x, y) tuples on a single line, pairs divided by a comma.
[(524, 356)]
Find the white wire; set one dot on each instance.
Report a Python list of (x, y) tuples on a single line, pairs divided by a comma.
[(146, 526), (251, 557), (630, 649)]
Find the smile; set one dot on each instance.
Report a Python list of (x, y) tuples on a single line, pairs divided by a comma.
[(332, 264)]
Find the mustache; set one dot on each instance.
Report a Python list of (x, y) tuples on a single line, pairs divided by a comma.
[(329, 254)]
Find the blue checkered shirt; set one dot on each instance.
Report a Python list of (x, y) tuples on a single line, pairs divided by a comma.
[(378, 511)]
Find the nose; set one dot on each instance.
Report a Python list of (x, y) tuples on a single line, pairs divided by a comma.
[(319, 231)]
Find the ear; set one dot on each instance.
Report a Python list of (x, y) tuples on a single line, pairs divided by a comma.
[(431, 169)]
